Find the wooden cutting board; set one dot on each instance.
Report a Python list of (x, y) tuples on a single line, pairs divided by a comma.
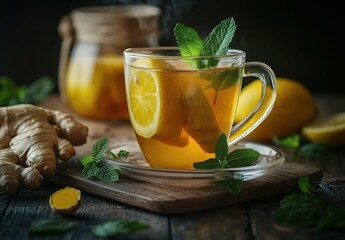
[(182, 198), (169, 198)]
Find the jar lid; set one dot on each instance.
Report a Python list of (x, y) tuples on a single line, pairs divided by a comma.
[(122, 25)]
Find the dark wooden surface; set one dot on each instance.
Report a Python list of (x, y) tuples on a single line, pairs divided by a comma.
[(249, 220)]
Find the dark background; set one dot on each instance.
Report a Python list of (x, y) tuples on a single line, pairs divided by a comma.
[(301, 40)]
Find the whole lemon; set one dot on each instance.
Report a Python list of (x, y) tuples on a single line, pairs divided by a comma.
[(294, 107)]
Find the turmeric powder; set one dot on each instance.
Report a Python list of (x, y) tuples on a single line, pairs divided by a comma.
[(32, 138)]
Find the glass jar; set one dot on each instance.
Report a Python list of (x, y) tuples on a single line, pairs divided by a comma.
[(91, 77)]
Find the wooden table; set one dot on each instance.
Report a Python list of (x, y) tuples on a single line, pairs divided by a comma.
[(249, 220)]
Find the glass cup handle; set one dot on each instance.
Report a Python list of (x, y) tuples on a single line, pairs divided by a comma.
[(264, 105)]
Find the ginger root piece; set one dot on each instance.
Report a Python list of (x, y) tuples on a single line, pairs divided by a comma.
[(65, 201), (32, 138), (200, 122)]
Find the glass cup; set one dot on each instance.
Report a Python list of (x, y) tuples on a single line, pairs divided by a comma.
[(179, 106)]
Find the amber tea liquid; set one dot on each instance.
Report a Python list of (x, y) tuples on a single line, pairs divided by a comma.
[(207, 109)]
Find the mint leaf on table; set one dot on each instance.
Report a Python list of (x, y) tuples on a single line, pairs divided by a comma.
[(51, 226), (294, 142), (304, 185), (115, 227), (96, 165), (309, 209), (224, 159)]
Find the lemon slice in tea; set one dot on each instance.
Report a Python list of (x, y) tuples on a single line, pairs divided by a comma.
[(155, 101), (329, 131)]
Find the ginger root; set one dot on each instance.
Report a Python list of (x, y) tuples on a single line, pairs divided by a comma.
[(65, 201), (32, 138)]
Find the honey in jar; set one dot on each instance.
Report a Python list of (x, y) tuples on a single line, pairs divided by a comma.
[(91, 75)]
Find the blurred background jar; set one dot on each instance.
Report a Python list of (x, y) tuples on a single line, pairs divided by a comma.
[(91, 77)]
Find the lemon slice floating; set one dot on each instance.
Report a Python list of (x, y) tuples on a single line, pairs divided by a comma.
[(155, 102), (329, 131)]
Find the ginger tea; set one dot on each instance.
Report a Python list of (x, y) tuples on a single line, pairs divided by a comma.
[(179, 113)]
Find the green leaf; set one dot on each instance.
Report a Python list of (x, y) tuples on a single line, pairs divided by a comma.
[(85, 160), (11, 94), (212, 163), (39, 90), (218, 41), (99, 148), (190, 44), (297, 208), (123, 154), (113, 228), (221, 147), (304, 185), (313, 149), (226, 79), (90, 170), (233, 185), (292, 141), (51, 226), (333, 217), (241, 157), (106, 172)]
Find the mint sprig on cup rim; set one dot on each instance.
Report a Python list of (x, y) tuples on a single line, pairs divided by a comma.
[(216, 44)]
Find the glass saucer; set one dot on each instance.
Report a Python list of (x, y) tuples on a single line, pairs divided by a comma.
[(136, 167)]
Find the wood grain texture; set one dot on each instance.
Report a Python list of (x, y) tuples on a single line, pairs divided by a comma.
[(30, 207), (173, 199)]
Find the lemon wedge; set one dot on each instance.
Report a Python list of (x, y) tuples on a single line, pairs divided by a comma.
[(155, 101), (329, 131)]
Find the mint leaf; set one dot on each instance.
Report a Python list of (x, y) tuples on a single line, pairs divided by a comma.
[(216, 44), (226, 79), (96, 166), (51, 226), (99, 148), (304, 185), (212, 163), (241, 158), (309, 209), (298, 208), (292, 141), (39, 90), (12, 94), (85, 160), (221, 147), (223, 159), (122, 154), (234, 185), (113, 228), (106, 172), (218, 41), (190, 44), (90, 170), (312, 149)]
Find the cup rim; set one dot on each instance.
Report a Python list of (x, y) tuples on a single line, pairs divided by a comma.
[(148, 52)]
